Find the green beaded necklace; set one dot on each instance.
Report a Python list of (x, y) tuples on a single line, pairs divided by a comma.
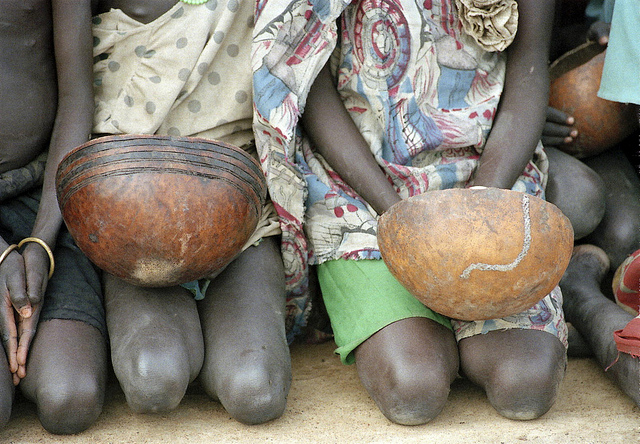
[(195, 2)]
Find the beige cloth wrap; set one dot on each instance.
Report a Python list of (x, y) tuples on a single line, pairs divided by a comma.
[(492, 23), (188, 73)]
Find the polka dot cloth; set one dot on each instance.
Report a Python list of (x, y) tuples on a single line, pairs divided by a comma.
[(187, 73)]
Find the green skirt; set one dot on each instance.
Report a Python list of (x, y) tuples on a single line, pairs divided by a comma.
[(363, 297)]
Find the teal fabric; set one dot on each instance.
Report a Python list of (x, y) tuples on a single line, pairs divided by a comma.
[(621, 75), (197, 288), (600, 10), (362, 297)]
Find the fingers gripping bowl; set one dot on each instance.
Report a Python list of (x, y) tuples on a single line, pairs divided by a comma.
[(160, 211), (475, 254), (575, 81)]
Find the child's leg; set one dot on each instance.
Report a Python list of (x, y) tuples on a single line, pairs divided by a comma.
[(66, 375), (407, 368), (247, 364), (521, 361), (156, 343), (67, 365), (577, 190), (597, 317), (520, 370), (6, 390), (619, 232), (406, 355)]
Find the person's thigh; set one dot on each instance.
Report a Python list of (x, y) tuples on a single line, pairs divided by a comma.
[(619, 232), (247, 364), (6, 390), (66, 374), (577, 190), (156, 342)]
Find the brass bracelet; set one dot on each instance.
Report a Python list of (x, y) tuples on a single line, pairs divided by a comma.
[(44, 245), (6, 252)]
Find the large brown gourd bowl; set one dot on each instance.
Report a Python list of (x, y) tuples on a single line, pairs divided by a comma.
[(475, 254), (575, 81), (159, 211)]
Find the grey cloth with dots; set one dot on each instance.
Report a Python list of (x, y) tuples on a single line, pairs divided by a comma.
[(188, 73)]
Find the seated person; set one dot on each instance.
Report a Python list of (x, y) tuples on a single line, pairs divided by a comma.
[(419, 117), (589, 287), (182, 68), (52, 318)]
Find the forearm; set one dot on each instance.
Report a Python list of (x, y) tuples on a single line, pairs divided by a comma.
[(336, 137), (522, 111), (49, 219), (74, 117)]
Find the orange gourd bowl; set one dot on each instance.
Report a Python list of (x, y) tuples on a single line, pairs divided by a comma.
[(575, 81), (476, 254), (159, 211)]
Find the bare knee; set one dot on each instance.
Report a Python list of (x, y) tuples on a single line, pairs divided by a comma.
[(153, 383), (407, 393), (520, 370), (617, 234), (70, 407), (620, 238), (254, 395), (251, 381), (407, 368), (577, 190), (524, 392), (526, 387)]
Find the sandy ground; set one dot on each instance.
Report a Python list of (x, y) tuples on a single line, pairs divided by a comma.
[(327, 404)]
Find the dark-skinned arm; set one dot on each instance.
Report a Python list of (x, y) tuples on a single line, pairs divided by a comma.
[(73, 123), (336, 137), (521, 114)]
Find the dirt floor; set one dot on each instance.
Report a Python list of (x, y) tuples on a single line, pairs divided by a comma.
[(327, 404)]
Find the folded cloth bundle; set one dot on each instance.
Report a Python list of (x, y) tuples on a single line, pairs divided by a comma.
[(628, 339), (492, 23)]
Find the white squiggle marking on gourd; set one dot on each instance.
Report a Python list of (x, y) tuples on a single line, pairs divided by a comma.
[(525, 247)]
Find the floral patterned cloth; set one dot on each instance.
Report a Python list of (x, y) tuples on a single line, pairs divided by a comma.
[(422, 91), (292, 41)]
